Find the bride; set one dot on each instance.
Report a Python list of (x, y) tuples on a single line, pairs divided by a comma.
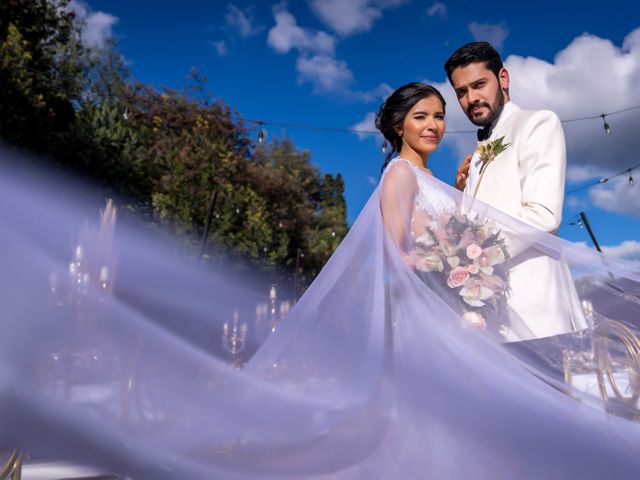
[(412, 119), (392, 365)]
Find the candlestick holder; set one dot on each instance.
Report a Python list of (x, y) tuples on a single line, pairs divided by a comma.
[(234, 339)]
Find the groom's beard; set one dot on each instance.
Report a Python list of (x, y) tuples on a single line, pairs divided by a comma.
[(494, 110)]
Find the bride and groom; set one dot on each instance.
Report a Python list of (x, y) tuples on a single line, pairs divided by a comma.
[(518, 168), (369, 375)]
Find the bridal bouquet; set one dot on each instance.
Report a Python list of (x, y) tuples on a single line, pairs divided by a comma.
[(469, 257)]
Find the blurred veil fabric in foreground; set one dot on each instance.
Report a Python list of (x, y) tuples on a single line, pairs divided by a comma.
[(421, 349)]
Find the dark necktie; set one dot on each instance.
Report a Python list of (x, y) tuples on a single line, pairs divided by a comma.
[(484, 133)]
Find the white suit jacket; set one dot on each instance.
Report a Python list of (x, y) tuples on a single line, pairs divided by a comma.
[(526, 181)]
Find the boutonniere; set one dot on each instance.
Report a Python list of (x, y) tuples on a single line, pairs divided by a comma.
[(490, 150)]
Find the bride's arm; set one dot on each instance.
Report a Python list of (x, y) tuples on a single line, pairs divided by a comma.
[(397, 196)]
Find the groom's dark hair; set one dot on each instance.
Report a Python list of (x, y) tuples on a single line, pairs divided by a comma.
[(474, 52)]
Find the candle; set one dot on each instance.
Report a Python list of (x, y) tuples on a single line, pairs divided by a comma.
[(104, 274)]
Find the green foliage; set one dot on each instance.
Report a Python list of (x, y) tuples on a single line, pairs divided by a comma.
[(164, 152), (41, 71)]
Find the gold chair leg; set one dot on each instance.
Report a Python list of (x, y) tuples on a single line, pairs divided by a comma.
[(12, 468)]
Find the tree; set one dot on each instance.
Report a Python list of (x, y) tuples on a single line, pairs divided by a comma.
[(41, 71), (330, 225), (163, 152)]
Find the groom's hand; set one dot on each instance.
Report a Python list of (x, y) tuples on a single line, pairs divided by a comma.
[(463, 172)]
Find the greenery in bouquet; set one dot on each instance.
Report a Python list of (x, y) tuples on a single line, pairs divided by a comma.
[(469, 257)]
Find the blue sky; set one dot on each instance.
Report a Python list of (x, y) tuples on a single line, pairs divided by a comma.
[(330, 63)]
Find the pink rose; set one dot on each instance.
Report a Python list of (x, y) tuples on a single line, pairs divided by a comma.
[(473, 269), (457, 277), (474, 251)]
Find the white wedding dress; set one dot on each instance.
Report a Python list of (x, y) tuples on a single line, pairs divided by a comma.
[(373, 374)]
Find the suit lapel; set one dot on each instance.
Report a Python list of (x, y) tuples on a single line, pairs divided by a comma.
[(509, 110), (498, 131)]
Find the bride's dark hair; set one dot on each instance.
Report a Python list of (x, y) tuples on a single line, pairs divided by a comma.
[(392, 112)]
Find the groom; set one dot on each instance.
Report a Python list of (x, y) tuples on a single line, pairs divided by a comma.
[(526, 181)]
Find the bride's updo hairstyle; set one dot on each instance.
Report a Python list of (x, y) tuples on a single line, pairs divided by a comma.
[(393, 111)]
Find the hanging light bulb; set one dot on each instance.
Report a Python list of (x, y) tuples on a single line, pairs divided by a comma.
[(260, 133), (630, 179), (606, 126), (580, 224), (385, 145)]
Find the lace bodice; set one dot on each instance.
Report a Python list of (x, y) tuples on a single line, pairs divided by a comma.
[(429, 200), (432, 200)]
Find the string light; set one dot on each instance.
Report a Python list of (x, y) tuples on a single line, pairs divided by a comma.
[(376, 132), (260, 131), (606, 126), (606, 179), (573, 221), (127, 114)]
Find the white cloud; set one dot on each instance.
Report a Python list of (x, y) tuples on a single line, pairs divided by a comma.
[(575, 203), (326, 73), (487, 32), (287, 35), (437, 8), (316, 63), (98, 29), (372, 181), (97, 25), (580, 173), (241, 20), (368, 124), (221, 47), (617, 196), (329, 75), (347, 17), (628, 250), (378, 94)]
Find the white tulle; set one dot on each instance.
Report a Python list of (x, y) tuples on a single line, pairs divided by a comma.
[(373, 374)]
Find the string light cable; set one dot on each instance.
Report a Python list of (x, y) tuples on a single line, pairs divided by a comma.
[(261, 123), (627, 171)]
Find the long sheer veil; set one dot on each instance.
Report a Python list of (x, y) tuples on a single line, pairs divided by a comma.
[(406, 358)]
